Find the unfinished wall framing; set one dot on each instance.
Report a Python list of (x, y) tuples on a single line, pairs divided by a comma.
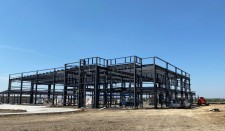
[(104, 82)]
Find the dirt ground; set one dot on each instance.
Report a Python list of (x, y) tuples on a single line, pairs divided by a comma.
[(11, 111), (113, 119)]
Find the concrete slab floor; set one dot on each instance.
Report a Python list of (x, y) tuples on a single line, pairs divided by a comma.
[(34, 109)]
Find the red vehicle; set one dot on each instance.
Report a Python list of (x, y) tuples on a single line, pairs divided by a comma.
[(202, 101)]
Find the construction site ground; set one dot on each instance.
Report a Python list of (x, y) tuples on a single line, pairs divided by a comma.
[(200, 118)]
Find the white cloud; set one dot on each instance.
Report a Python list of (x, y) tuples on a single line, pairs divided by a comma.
[(20, 50)]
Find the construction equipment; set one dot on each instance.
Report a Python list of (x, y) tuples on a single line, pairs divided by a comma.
[(202, 101)]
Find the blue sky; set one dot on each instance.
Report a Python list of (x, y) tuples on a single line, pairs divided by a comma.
[(48, 33)]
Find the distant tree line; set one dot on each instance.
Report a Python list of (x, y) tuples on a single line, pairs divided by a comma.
[(217, 100)]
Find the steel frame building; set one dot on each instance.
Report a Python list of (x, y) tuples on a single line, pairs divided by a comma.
[(103, 80)]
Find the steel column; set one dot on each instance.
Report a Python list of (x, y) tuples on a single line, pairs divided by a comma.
[(111, 82), (3, 98), (155, 86), (135, 83), (140, 86), (21, 88), (36, 86), (53, 91), (182, 85), (9, 89), (32, 93), (105, 88), (81, 89), (49, 91), (176, 85), (65, 86), (167, 86), (96, 88)]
